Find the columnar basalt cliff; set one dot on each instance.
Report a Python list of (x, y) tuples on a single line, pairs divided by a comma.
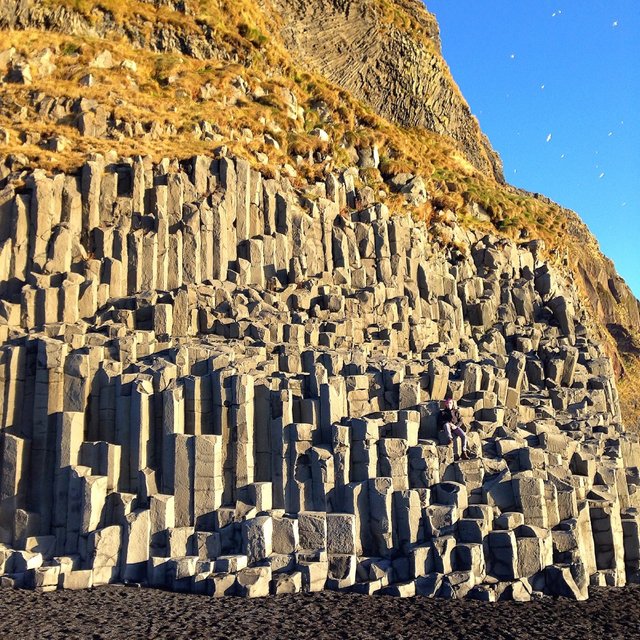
[(228, 387), (222, 373)]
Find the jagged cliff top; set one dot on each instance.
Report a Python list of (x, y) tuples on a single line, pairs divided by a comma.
[(297, 95)]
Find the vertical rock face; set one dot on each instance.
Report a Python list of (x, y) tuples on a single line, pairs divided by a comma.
[(390, 58), (234, 388)]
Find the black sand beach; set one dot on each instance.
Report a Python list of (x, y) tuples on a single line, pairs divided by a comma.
[(128, 613)]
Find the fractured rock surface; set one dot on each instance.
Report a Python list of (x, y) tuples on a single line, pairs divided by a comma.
[(402, 76), (217, 383)]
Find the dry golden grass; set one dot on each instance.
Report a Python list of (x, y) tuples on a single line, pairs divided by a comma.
[(165, 89), (629, 396)]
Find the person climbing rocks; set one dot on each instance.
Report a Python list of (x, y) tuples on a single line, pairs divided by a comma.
[(451, 423)]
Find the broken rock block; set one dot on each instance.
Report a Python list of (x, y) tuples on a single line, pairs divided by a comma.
[(470, 557), (286, 583), (230, 564), (429, 585), (341, 571), (314, 575), (341, 533), (253, 582), (535, 550), (560, 582), (42, 578), (257, 538), (103, 554), (503, 555), (286, 535), (400, 590), (77, 580), (457, 585), (312, 530), (223, 584)]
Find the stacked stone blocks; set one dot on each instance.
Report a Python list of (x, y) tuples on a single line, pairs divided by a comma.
[(216, 383)]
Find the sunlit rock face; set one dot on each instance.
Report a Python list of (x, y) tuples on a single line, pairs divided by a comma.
[(226, 378), (237, 391), (391, 61)]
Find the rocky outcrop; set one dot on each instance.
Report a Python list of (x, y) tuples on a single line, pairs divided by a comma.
[(397, 69), (384, 78), (161, 36), (215, 383), (602, 290), (608, 294), (220, 382)]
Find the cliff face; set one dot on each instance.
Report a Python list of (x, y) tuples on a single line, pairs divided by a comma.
[(397, 67), (225, 336), (205, 369), (392, 62), (152, 29), (606, 294)]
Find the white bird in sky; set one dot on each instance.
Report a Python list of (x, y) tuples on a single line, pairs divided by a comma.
[(549, 138), (615, 23)]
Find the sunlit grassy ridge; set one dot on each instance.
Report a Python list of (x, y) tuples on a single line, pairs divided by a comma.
[(166, 87)]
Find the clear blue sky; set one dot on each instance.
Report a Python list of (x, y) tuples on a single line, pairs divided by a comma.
[(556, 87)]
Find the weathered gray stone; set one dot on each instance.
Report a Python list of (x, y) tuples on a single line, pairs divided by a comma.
[(189, 350)]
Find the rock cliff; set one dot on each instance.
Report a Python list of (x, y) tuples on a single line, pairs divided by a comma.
[(232, 387), (155, 29), (388, 56), (222, 372)]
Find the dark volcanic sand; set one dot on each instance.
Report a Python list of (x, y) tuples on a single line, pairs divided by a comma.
[(130, 613)]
